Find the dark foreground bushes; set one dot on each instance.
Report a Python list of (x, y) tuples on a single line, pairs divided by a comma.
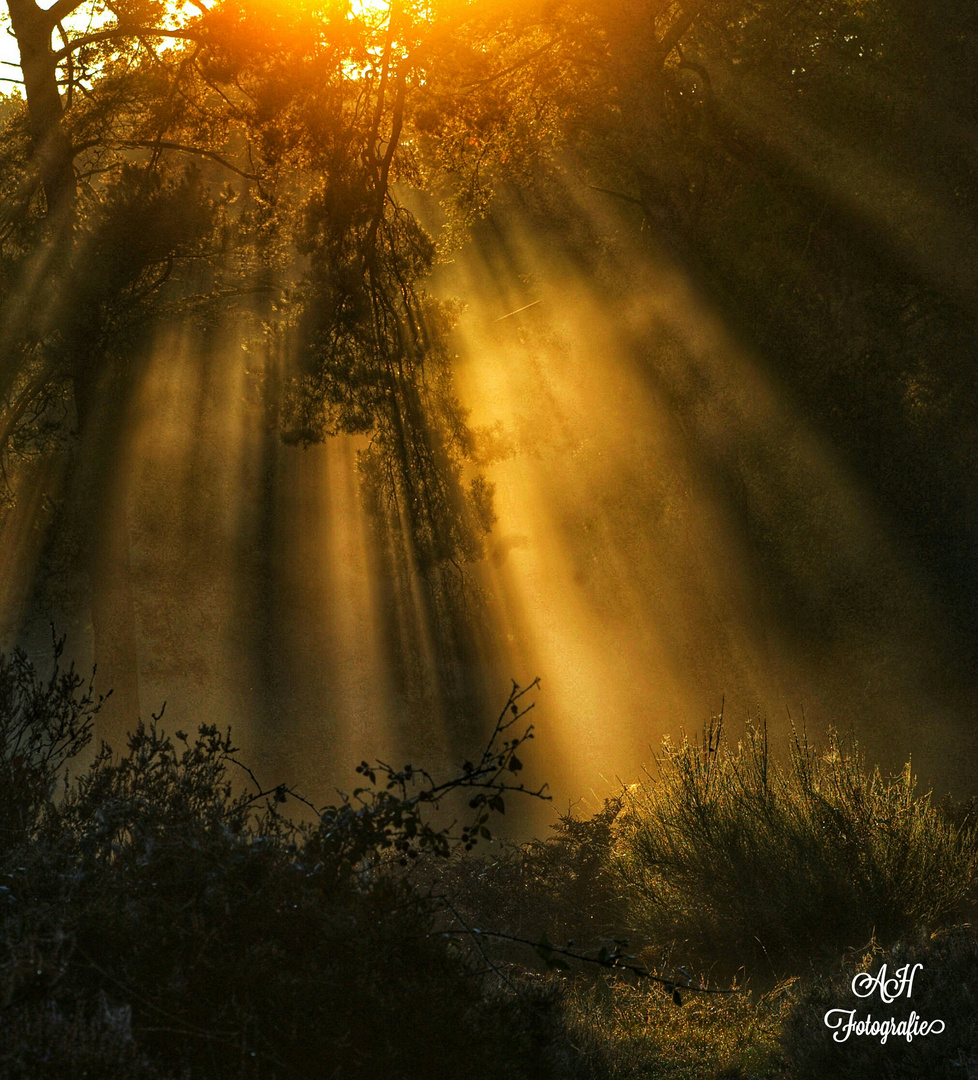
[(157, 922)]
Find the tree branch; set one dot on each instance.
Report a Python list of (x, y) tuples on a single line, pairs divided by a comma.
[(674, 35), (123, 31), (60, 10), (614, 961), (24, 399), (147, 144), (616, 195)]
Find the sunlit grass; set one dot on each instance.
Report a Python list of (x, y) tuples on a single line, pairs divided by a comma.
[(772, 866), (638, 1031)]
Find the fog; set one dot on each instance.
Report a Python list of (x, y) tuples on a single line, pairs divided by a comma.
[(671, 540)]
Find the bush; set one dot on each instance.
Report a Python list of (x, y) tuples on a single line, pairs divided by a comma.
[(159, 921), (564, 887), (39, 1042), (43, 726), (641, 1033), (747, 862), (156, 919)]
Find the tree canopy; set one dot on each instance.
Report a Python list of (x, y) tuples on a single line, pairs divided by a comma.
[(807, 164)]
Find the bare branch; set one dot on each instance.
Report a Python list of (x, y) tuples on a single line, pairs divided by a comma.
[(123, 31), (182, 148), (614, 961), (619, 195), (60, 10)]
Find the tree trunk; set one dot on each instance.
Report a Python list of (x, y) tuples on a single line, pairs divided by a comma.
[(32, 28), (100, 515)]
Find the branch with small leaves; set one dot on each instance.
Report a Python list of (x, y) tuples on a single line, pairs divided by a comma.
[(274, 796), (614, 958), (393, 813)]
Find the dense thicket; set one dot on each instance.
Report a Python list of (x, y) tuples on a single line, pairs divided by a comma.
[(157, 920), (161, 915)]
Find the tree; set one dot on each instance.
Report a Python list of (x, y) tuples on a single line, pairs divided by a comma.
[(197, 157)]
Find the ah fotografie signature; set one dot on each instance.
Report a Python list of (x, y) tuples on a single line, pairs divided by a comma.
[(843, 1022)]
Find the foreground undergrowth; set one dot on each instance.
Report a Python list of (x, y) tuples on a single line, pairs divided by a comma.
[(164, 916)]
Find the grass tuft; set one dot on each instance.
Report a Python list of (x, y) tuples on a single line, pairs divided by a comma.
[(737, 859)]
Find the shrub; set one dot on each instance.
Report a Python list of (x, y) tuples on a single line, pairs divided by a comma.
[(43, 726), (641, 1033), (743, 860), (38, 1042), (564, 886), (234, 941)]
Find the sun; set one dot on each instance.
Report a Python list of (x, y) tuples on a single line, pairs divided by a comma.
[(370, 8)]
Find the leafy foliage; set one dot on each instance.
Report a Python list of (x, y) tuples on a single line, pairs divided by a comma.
[(156, 919), (43, 726), (396, 815)]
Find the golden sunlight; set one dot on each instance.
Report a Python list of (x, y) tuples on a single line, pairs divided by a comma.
[(487, 497)]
